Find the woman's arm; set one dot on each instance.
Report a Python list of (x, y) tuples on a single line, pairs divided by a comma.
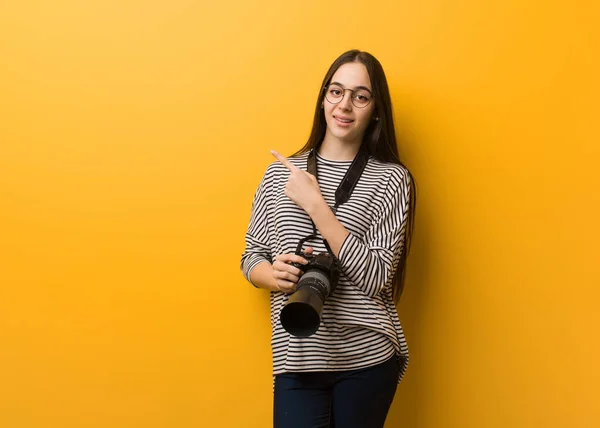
[(257, 264), (303, 189), (257, 254), (328, 225), (262, 276), (281, 275), (370, 261)]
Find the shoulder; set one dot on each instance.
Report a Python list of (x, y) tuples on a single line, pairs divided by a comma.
[(397, 175), (388, 167)]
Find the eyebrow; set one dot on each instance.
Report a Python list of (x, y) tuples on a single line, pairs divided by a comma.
[(356, 88)]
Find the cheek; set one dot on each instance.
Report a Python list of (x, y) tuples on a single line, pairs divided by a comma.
[(328, 111), (328, 108), (365, 119)]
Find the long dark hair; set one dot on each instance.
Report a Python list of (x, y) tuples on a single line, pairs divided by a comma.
[(379, 138)]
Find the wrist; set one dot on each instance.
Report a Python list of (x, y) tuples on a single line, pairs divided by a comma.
[(262, 276), (317, 207), (273, 284)]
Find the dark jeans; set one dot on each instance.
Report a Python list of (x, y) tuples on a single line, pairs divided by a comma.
[(347, 399)]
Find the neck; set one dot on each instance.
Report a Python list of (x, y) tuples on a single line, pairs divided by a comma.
[(334, 149)]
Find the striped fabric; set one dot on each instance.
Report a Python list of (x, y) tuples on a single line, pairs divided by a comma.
[(360, 325)]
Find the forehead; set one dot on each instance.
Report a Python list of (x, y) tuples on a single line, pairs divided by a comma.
[(351, 75)]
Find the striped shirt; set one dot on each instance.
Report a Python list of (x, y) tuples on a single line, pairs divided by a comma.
[(359, 323)]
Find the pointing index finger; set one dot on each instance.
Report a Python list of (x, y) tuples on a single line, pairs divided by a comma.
[(290, 166)]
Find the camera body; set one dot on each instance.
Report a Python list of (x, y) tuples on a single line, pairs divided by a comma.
[(301, 315), (321, 273)]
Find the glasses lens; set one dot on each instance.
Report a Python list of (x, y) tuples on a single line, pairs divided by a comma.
[(334, 94), (361, 98)]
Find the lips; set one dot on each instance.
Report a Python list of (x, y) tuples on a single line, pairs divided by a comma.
[(343, 120)]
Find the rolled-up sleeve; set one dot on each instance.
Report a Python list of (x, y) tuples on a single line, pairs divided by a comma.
[(257, 248), (370, 261)]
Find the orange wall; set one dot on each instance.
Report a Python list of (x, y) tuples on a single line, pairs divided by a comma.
[(133, 135)]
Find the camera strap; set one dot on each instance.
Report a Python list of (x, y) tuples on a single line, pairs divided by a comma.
[(344, 190)]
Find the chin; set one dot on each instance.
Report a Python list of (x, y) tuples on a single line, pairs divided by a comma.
[(349, 134)]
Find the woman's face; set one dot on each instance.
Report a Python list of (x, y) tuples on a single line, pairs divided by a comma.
[(345, 121)]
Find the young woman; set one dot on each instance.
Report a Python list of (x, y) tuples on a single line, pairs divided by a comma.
[(345, 374)]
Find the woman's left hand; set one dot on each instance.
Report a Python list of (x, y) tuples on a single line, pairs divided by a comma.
[(302, 187)]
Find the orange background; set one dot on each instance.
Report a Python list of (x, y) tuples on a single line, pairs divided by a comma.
[(134, 133)]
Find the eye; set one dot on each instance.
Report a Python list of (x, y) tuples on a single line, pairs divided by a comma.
[(335, 92)]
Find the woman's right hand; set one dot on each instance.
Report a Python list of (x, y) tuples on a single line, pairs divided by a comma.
[(286, 275)]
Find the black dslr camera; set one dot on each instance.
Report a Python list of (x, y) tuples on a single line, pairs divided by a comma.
[(301, 315)]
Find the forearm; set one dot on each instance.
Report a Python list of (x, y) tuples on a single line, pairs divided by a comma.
[(262, 276), (329, 226), (367, 265)]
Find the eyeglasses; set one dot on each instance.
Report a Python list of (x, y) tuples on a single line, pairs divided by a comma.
[(360, 97)]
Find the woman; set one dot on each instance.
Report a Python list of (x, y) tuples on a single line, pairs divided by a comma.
[(346, 373)]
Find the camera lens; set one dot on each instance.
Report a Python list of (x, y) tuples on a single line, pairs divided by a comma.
[(301, 315), (317, 280)]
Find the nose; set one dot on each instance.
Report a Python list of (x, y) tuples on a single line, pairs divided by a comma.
[(346, 102)]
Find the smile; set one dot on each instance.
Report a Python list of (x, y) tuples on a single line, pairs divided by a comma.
[(343, 122)]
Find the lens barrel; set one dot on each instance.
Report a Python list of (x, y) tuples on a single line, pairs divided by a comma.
[(301, 315)]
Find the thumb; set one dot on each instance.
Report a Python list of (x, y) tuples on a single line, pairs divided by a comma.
[(308, 250)]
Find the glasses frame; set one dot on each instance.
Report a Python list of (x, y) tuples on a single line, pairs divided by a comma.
[(326, 89)]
